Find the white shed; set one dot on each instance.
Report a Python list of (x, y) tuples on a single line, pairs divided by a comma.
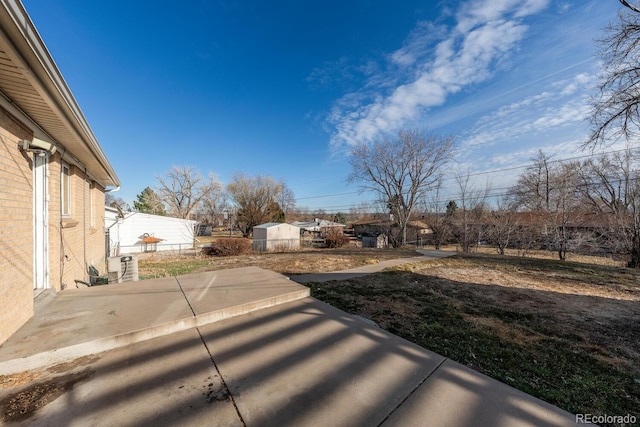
[(134, 232), (276, 236)]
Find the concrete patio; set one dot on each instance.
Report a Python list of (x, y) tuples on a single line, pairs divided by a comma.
[(241, 347)]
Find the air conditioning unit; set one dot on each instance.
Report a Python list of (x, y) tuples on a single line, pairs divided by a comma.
[(122, 268)]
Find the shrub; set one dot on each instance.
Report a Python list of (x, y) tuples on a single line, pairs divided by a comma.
[(228, 246), (335, 238)]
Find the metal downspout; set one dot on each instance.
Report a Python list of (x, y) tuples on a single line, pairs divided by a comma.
[(84, 221)]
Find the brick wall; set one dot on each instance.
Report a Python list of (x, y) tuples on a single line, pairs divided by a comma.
[(16, 229), (75, 241)]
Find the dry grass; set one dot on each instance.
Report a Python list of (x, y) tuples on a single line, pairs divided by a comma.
[(552, 255), (299, 262), (310, 260)]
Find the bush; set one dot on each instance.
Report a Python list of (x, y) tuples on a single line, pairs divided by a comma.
[(335, 238), (228, 246)]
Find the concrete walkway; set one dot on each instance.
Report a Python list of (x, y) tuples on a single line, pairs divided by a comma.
[(243, 347), (369, 268)]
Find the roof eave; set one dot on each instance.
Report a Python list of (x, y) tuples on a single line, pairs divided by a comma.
[(41, 71)]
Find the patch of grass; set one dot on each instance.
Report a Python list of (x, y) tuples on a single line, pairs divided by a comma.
[(162, 268), (524, 337)]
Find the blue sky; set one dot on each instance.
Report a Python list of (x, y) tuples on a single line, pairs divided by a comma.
[(284, 88)]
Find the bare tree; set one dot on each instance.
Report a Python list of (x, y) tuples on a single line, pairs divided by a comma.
[(550, 190), (256, 199), (615, 111), (503, 225), (615, 114), (565, 207), (611, 187), (183, 189), (630, 6), (533, 189), (471, 208), (439, 218), (401, 171), (212, 205), (285, 199), (116, 202)]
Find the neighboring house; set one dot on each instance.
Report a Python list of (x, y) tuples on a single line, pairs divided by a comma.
[(583, 229), (373, 227), (417, 230), (53, 175), (276, 236), (543, 222), (318, 227), (134, 232), (370, 226)]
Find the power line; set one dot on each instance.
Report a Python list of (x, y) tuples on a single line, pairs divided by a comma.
[(489, 172), (327, 195), (568, 159)]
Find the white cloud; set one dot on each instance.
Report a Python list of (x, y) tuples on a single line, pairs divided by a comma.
[(561, 103), (473, 14), (564, 7), (581, 81), (571, 112), (530, 7), (485, 32)]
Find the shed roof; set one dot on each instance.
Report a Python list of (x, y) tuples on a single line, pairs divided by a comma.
[(147, 216), (272, 224), (371, 221), (386, 222), (316, 224)]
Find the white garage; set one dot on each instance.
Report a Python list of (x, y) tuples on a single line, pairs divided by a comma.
[(135, 232)]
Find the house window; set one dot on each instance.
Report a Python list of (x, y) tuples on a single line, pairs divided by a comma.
[(92, 221), (65, 191)]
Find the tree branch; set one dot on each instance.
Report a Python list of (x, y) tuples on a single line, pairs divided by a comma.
[(630, 6)]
